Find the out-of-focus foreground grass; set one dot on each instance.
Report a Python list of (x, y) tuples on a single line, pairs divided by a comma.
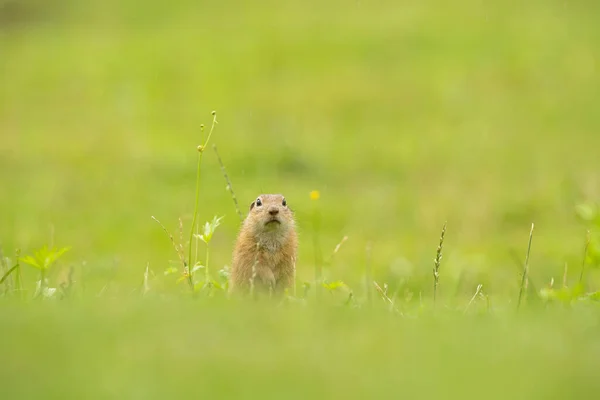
[(403, 115), (157, 350)]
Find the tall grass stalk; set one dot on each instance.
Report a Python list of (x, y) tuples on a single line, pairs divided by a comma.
[(146, 284), (201, 149), (229, 186), (436, 264), (178, 250), (477, 292), (386, 298), (525, 269)]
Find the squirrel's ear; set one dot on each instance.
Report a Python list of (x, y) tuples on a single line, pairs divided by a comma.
[(252, 205)]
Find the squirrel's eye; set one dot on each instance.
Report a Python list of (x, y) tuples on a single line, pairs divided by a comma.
[(258, 202), (284, 203)]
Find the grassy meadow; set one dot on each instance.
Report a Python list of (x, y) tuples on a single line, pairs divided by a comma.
[(403, 115)]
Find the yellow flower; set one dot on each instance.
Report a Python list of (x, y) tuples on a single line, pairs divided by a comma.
[(314, 195)]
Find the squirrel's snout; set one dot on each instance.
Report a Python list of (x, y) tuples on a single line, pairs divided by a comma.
[(273, 211)]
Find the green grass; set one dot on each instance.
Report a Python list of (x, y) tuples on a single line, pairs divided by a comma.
[(403, 115), (157, 349)]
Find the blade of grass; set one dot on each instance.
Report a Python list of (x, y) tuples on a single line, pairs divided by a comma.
[(477, 291), (7, 274), (178, 249), (525, 269), (229, 186), (436, 264)]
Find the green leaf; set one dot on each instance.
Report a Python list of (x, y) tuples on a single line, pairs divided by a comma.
[(55, 255), (44, 258), (334, 285), (217, 285), (224, 273), (31, 261), (209, 229), (170, 270), (197, 267)]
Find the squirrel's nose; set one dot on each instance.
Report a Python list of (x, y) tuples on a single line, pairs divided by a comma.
[(273, 211)]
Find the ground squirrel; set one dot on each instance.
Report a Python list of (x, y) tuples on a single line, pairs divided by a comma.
[(265, 250)]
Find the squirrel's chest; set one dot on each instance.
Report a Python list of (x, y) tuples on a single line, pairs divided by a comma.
[(271, 259)]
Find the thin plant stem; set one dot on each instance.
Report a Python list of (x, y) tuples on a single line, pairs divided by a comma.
[(229, 186), (525, 269), (386, 298), (197, 201), (6, 275), (178, 249), (477, 292), (197, 243), (194, 218), (436, 264), (146, 285)]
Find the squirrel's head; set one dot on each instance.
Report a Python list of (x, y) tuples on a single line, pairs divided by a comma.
[(270, 213)]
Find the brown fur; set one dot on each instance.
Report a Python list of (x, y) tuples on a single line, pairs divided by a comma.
[(265, 249)]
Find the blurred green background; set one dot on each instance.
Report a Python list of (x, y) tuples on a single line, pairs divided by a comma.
[(403, 114)]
